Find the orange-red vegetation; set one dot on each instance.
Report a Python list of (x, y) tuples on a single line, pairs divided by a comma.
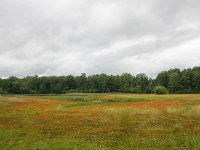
[(156, 105)]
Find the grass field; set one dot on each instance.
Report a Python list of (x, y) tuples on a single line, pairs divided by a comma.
[(99, 121)]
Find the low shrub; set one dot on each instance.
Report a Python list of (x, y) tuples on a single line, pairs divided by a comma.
[(2, 91), (160, 90)]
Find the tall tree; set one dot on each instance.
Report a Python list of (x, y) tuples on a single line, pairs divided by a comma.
[(174, 82)]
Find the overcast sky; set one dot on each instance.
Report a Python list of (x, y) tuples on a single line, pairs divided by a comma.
[(61, 37)]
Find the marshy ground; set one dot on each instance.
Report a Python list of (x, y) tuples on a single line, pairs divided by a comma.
[(99, 121)]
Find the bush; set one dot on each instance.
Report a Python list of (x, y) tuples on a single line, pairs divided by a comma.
[(2, 91), (160, 90), (136, 90), (72, 91)]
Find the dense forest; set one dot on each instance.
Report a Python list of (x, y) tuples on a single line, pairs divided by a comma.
[(174, 80)]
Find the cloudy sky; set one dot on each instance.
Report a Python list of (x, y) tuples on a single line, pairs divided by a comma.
[(60, 37)]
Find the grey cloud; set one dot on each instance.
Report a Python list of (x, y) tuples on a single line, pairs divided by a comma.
[(112, 36)]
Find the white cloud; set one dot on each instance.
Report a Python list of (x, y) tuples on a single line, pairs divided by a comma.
[(62, 37)]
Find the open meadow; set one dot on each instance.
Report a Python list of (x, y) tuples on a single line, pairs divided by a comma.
[(99, 121)]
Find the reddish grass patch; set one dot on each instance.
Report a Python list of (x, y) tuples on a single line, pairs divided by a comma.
[(34, 104), (151, 132), (156, 105), (34, 101)]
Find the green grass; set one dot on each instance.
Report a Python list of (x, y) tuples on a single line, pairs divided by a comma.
[(99, 121)]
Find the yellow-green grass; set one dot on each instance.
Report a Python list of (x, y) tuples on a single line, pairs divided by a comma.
[(99, 121)]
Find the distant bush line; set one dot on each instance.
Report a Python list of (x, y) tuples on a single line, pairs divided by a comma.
[(173, 80)]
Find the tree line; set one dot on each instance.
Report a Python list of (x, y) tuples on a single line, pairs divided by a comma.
[(174, 80)]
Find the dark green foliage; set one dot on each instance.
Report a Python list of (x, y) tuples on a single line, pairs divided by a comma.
[(127, 81), (142, 82), (163, 79), (160, 90), (2, 91), (174, 80)]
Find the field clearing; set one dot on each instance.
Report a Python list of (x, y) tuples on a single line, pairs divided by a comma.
[(99, 121)]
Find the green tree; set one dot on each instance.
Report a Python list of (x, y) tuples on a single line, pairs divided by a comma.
[(142, 82), (162, 79), (174, 82), (126, 82)]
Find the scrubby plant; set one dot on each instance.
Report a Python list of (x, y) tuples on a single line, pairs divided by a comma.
[(160, 90), (2, 91)]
